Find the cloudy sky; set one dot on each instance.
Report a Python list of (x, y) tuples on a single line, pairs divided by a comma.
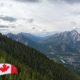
[(39, 17)]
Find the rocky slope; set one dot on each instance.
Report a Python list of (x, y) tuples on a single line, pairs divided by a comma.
[(69, 37)]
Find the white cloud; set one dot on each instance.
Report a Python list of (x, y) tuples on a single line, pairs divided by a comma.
[(36, 17)]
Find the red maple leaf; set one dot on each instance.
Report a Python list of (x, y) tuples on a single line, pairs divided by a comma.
[(4, 68)]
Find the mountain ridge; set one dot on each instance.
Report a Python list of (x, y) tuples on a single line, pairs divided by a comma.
[(22, 39), (56, 49), (31, 64), (44, 46), (69, 37), (32, 37)]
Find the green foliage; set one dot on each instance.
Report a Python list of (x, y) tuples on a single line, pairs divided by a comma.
[(31, 64), (55, 59)]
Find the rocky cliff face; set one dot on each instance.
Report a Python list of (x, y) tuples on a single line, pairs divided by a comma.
[(69, 37), (19, 38), (22, 39)]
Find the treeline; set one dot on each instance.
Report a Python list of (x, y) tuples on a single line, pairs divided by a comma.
[(31, 64)]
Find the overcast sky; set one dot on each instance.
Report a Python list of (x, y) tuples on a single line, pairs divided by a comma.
[(39, 17)]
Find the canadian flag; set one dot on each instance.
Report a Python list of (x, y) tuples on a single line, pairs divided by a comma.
[(7, 69)]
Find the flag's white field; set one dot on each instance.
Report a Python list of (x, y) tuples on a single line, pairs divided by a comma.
[(7, 69)]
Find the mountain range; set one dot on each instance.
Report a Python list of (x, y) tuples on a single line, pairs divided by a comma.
[(31, 37), (21, 38), (68, 37), (70, 40), (30, 63), (58, 47)]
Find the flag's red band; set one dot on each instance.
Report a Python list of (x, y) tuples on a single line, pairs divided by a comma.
[(13, 69)]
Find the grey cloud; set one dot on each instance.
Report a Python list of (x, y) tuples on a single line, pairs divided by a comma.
[(3, 29), (2, 4), (73, 23), (10, 5), (75, 13), (33, 27), (71, 1), (34, 1), (67, 1), (28, 20), (2, 26), (43, 31), (13, 27), (7, 18)]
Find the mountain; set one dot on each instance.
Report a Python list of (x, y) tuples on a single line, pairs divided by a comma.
[(68, 37), (58, 48), (46, 48), (32, 37), (19, 38), (22, 39), (31, 64), (54, 50)]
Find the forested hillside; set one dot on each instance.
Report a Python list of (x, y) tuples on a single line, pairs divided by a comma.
[(31, 64)]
